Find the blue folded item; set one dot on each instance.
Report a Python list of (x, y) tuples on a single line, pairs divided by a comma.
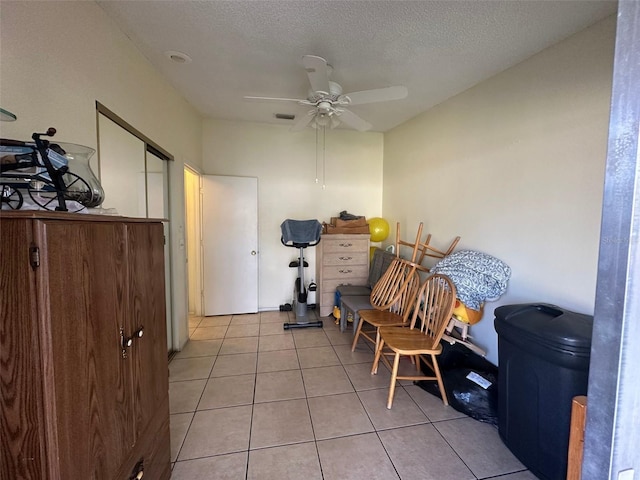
[(301, 231)]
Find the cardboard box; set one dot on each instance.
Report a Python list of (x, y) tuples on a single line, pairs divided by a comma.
[(358, 222), (329, 229)]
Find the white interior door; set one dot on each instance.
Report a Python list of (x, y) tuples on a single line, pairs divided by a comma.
[(230, 242)]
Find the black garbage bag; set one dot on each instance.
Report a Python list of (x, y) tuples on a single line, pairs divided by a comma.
[(471, 383)]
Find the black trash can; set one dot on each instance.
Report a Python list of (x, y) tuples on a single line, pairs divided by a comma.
[(543, 362)]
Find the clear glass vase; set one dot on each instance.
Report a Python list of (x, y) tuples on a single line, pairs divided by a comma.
[(82, 185)]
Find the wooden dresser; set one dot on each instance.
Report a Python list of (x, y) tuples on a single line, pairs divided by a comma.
[(341, 259), (83, 350)]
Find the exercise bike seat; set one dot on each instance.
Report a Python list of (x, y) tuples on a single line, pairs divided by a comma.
[(300, 233)]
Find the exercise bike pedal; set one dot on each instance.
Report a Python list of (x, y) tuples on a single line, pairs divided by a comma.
[(296, 264)]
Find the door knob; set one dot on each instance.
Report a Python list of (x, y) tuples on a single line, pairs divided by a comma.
[(253, 252)]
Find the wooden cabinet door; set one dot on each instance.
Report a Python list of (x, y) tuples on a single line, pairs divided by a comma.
[(149, 352), (22, 439), (83, 299)]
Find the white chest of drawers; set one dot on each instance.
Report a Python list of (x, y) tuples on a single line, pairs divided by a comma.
[(341, 259)]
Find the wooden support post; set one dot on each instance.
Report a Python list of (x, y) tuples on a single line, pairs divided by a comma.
[(576, 437)]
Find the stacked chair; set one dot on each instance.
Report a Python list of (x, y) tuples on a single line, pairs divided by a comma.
[(391, 296), (402, 317), (431, 308)]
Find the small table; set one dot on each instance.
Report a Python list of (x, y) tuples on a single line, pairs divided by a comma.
[(351, 304)]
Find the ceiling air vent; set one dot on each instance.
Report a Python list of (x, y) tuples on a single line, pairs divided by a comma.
[(285, 116)]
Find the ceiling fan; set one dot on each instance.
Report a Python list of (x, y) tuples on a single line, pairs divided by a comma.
[(329, 103)]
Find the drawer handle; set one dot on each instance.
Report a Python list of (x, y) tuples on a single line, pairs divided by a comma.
[(345, 271), (345, 258), (125, 342), (346, 245), (138, 333)]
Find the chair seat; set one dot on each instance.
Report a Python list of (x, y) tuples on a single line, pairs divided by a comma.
[(353, 290), (408, 341), (382, 318)]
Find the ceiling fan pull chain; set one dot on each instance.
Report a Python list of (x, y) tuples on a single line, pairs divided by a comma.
[(324, 134), (317, 148)]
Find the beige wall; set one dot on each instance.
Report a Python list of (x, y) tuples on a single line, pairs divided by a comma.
[(58, 59), (285, 164), (515, 165)]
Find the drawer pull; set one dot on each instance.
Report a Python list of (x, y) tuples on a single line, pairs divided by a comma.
[(345, 271), (345, 258), (346, 245), (138, 333)]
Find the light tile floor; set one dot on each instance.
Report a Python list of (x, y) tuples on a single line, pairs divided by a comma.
[(250, 400)]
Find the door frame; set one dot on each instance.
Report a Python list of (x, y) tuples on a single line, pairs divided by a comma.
[(193, 234)]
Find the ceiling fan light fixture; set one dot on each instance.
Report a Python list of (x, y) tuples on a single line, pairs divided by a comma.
[(323, 119), (324, 108)]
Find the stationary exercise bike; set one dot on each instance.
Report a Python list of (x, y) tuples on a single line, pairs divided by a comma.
[(300, 234)]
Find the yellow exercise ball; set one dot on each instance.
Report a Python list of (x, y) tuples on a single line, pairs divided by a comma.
[(379, 229)]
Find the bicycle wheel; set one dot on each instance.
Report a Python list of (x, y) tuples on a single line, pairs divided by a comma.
[(45, 194), (10, 197)]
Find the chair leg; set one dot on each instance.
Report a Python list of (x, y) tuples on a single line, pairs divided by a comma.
[(416, 359), (436, 370), (394, 376), (356, 336), (374, 368)]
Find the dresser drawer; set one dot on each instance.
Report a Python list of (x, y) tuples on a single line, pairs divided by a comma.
[(344, 245), (345, 258), (350, 273), (333, 283)]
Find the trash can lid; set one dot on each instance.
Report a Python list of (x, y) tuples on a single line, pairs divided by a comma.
[(547, 325)]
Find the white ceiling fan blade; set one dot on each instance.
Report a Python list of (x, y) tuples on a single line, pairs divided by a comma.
[(303, 122), (317, 72), (377, 95), (349, 118), (275, 99)]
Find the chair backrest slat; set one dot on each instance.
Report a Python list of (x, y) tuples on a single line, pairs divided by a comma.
[(390, 290), (434, 306)]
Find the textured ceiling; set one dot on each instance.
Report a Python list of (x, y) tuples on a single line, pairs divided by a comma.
[(435, 48)]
